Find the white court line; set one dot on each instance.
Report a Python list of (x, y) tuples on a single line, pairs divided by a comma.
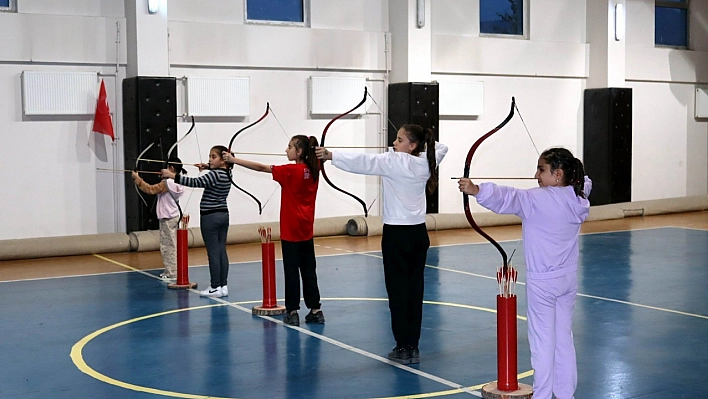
[(318, 336), (350, 348), (639, 305)]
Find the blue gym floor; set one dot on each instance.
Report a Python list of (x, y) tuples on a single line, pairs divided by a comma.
[(641, 329)]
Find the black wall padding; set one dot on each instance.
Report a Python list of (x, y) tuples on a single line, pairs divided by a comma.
[(608, 144), (149, 116), (415, 103)]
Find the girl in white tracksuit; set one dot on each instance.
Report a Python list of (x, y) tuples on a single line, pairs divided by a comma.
[(551, 215), (406, 173)]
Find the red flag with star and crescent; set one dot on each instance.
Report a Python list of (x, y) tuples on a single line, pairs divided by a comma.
[(102, 122)]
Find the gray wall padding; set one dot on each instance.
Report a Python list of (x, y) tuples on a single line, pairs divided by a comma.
[(30, 248), (371, 226), (241, 233)]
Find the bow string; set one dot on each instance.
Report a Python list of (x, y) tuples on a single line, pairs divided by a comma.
[(322, 163)]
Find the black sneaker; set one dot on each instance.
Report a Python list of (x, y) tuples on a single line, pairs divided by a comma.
[(414, 353), (400, 355), (317, 318), (292, 318)]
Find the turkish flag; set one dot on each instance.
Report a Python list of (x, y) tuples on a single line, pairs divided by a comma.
[(102, 122)]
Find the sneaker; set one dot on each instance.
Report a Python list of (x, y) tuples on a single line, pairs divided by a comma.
[(313, 317), (292, 318), (168, 278), (224, 290), (401, 355), (415, 354), (212, 292)]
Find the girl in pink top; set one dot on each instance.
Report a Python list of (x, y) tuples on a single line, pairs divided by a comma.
[(551, 215), (168, 193)]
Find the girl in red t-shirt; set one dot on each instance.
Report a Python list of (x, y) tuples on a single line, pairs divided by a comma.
[(299, 182)]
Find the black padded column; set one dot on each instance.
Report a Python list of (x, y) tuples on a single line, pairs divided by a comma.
[(608, 144), (149, 116), (415, 103)]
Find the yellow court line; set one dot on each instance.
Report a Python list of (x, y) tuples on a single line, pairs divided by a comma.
[(115, 262)]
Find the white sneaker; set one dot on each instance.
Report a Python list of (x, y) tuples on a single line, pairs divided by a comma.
[(224, 290), (212, 292), (169, 279)]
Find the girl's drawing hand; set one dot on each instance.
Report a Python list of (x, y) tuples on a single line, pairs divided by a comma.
[(323, 153), (228, 157)]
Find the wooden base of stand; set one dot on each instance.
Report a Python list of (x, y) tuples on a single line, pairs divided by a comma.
[(175, 286), (490, 391), (261, 311)]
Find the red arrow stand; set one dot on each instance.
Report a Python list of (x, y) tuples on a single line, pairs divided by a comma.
[(507, 385), (182, 263), (270, 305)]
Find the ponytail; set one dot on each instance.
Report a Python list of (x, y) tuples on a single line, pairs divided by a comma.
[(307, 145), (424, 140), (432, 161), (577, 178)]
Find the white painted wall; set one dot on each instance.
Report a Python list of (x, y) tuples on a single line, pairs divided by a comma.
[(669, 145), (63, 194)]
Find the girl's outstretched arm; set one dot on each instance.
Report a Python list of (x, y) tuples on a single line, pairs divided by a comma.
[(258, 167)]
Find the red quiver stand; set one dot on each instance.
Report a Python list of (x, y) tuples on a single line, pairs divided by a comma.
[(270, 305), (506, 344), (182, 263), (507, 385)]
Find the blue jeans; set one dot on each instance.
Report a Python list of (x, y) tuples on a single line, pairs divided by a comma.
[(215, 227)]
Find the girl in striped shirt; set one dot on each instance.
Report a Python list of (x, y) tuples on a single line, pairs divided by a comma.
[(214, 216)]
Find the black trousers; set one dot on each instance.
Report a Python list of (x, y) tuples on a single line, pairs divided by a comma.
[(299, 260), (404, 250)]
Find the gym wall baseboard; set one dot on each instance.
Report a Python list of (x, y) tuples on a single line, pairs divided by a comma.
[(43, 247)]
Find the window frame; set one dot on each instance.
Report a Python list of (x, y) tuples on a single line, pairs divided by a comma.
[(11, 8), (680, 5), (525, 25), (304, 24)]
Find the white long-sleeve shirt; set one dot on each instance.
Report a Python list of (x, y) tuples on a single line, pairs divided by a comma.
[(404, 180)]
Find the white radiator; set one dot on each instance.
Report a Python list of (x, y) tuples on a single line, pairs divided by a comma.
[(220, 96), (59, 93), (461, 98), (333, 96), (701, 102)]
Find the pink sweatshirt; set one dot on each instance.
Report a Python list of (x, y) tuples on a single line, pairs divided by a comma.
[(551, 218), (166, 207)]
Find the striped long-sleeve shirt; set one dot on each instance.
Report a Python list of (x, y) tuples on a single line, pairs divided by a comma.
[(216, 185)]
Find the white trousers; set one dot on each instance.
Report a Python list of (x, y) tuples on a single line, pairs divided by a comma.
[(550, 305)]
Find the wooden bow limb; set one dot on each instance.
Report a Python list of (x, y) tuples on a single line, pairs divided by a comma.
[(127, 170), (162, 162), (496, 178)]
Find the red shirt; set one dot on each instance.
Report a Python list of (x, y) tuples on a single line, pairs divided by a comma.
[(297, 201)]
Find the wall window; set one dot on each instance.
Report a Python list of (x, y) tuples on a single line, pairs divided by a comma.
[(671, 23), (502, 17), (282, 12), (8, 5)]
